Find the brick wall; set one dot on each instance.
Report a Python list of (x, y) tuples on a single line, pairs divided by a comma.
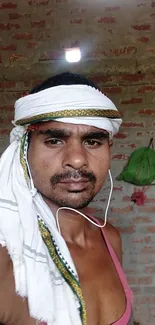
[(118, 48)]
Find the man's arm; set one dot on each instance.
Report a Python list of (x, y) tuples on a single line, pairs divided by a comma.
[(5, 264)]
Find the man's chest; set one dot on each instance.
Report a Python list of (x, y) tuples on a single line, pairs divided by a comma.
[(101, 286), (100, 283)]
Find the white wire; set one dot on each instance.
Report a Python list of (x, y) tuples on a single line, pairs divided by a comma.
[(83, 215)]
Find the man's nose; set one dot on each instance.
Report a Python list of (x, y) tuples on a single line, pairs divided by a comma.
[(75, 156)]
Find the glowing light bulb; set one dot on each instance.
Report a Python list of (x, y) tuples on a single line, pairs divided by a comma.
[(73, 55)]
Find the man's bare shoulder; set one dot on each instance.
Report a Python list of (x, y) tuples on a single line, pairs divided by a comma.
[(114, 237), (4, 261)]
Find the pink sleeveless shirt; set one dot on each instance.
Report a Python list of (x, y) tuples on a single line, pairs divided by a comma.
[(126, 319)]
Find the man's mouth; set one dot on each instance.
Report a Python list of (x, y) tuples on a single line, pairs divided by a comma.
[(73, 184)]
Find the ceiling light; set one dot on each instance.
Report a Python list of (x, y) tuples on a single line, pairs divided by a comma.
[(73, 55)]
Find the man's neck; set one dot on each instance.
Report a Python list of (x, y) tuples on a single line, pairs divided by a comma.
[(74, 228)]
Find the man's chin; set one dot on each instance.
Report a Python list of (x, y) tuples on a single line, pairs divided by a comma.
[(72, 202), (73, 205)]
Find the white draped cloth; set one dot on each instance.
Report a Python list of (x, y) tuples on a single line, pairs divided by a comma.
[(50, 298), (36, 277)]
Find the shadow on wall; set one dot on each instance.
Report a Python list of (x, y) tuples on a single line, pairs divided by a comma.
[(136, 323)]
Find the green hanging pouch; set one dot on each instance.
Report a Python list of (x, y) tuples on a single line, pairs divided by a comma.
[(140, 169)]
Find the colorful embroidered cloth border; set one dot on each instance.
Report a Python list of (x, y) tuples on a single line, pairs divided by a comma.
[(65, 270)]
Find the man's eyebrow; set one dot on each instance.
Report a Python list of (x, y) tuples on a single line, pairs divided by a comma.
[(96, 135), (55, 133)]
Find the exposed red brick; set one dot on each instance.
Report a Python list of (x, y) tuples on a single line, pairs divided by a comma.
[(114, 52), (136, 291), (150, 269), (142, 259), (5, 120), (129, 271), (8, 5), (129, 229), (123, 51), (16, 26), (107, 20), (53, 55), (27, 84), (141, 240), (151, 50), (36, 82), (126, 198), (148, 250), (76, 21), (7, 108), (16, 56), (153, 4), (139, 280), (132, 124), (118, 188), (133, 77), (5, 26), (140, 133), (38, 2), (112, 90), (22, 36), (113, 8), (5, 131), (151, 229), (144, 300), (141, 4), (7, 84), (123, 210), (101, 78), (10, 47), (147, 111), (128, 145), (141, 220), (78, 11), (38, 24), (142, 27), (121, 135), (144, 39), (49, 12), (132, 101), (148, 209), (32, 45), (9, 26), (61, 1), (145, 89), (120, 157), (14, 15)]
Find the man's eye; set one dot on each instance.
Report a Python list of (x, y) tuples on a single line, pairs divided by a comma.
[(92, 143), (53, 142)]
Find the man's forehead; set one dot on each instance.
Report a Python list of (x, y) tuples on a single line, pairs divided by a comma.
[(68, 127)]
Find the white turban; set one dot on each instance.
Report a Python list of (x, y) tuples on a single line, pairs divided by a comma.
[(77, 104)]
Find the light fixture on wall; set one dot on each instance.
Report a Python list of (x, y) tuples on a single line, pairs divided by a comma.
[(73, 55)]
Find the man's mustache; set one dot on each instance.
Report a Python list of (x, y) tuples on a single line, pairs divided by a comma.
[(73, 174)]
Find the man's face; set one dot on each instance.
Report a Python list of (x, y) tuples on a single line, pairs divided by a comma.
[(69, 162)]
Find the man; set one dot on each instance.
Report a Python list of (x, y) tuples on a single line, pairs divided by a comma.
[(57, 265)]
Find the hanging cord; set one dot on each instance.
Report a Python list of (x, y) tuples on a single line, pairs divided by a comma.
[(83, 215), (151, 144)]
